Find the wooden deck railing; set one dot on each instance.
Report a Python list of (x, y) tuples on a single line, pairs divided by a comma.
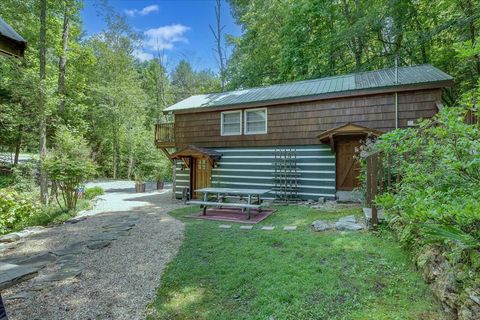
[(165, 134)]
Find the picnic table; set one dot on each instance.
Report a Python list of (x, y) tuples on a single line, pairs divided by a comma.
[(253, 197)]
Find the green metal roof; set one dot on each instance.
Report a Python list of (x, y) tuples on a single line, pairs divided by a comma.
[(8, 32), (407, 76)]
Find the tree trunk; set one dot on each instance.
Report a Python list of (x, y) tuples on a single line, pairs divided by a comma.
[(131, 162), (43, 120), (62, 64), (18, 144), (217, 34)]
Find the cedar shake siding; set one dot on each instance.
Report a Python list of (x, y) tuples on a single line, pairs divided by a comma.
[(301, 123)]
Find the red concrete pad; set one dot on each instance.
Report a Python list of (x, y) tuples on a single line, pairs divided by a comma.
[(234, 215)]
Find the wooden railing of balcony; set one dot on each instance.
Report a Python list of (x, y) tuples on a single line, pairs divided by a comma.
[(165, 135)]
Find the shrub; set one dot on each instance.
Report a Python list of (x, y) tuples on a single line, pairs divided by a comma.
[(93, 192), (16, 208), (439, 165), (69, 165)]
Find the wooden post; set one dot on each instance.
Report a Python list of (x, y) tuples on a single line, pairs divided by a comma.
[(380, 173), (374, 190), (389, 172), (369, 171)]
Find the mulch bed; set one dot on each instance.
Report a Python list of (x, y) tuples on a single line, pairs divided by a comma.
[(234, 215)]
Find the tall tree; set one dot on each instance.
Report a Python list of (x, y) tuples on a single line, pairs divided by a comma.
[(219, 49), (62, 62), (43, 102)]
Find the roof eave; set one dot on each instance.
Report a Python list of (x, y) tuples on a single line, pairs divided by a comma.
[(335, 95)]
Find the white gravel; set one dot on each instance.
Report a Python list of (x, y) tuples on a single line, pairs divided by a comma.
[(117, 281)]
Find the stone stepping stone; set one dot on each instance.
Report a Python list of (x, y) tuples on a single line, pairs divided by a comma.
[(290, 228), (38, 261), (348, 223), (120, 226), (98, 245), (74, 248), (268, 228), (224, 226), (320, 225), (68, 259), (104, 236), (11, 237), (11, 274), (76, 220), (246, 227), (20, 296), (65, 272)]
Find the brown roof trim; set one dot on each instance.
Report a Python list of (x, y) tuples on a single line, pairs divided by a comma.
[(355, 129), (336, 95), (194, 151)]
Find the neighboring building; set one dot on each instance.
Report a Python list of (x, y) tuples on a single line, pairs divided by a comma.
[(11, 43), (237, 139)]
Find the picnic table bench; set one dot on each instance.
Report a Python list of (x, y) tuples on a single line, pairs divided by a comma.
[(253, 197)]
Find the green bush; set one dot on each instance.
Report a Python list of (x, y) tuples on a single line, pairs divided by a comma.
[(437, 198), (6, 181), (15, 209), (69, 165), (92, 192)]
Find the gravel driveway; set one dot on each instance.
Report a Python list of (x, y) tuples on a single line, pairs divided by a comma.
[(109, 264)]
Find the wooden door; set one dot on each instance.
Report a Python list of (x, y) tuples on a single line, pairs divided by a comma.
[(202, 174), (347, 168)]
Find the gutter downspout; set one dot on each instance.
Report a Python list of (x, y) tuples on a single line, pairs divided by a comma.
[(396, 93)]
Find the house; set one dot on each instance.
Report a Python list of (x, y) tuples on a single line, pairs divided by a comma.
[(297, 139), (11, 43)]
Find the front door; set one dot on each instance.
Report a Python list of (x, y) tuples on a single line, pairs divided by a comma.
[(347, 168), (202, 174)]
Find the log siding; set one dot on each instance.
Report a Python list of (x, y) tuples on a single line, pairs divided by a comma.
[(252, 168)]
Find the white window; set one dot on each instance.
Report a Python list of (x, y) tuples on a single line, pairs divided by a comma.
[(231, 123), (256, 121)]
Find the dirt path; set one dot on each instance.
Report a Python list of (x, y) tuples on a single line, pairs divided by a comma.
[(105, 266)]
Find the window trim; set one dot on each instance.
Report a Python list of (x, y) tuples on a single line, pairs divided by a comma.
[(222, 133), (246, 124)]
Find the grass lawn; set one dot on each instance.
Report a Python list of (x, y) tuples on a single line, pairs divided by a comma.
[(254, 274)]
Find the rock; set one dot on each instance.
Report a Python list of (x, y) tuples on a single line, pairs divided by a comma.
[(320, 225), (65, 272), (68, 259), (20, 296), (120, 226), (348, 223), (321, 200), (74, 248), (11, 274), (268, 228), (98, 245), (105, 236), (224, 226), (290, 228), (38, 261), (76, 220), (11, 237), (246, 227), (368, 214)]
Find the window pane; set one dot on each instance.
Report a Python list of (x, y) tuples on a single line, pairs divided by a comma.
[(256, 121), (257, 115), (231, 123), (231, 118)]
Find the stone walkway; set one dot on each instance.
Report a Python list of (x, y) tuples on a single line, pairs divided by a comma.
[(105, 264)]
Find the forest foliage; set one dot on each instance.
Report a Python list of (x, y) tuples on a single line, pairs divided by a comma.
[(94, 86), (286, 40)]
